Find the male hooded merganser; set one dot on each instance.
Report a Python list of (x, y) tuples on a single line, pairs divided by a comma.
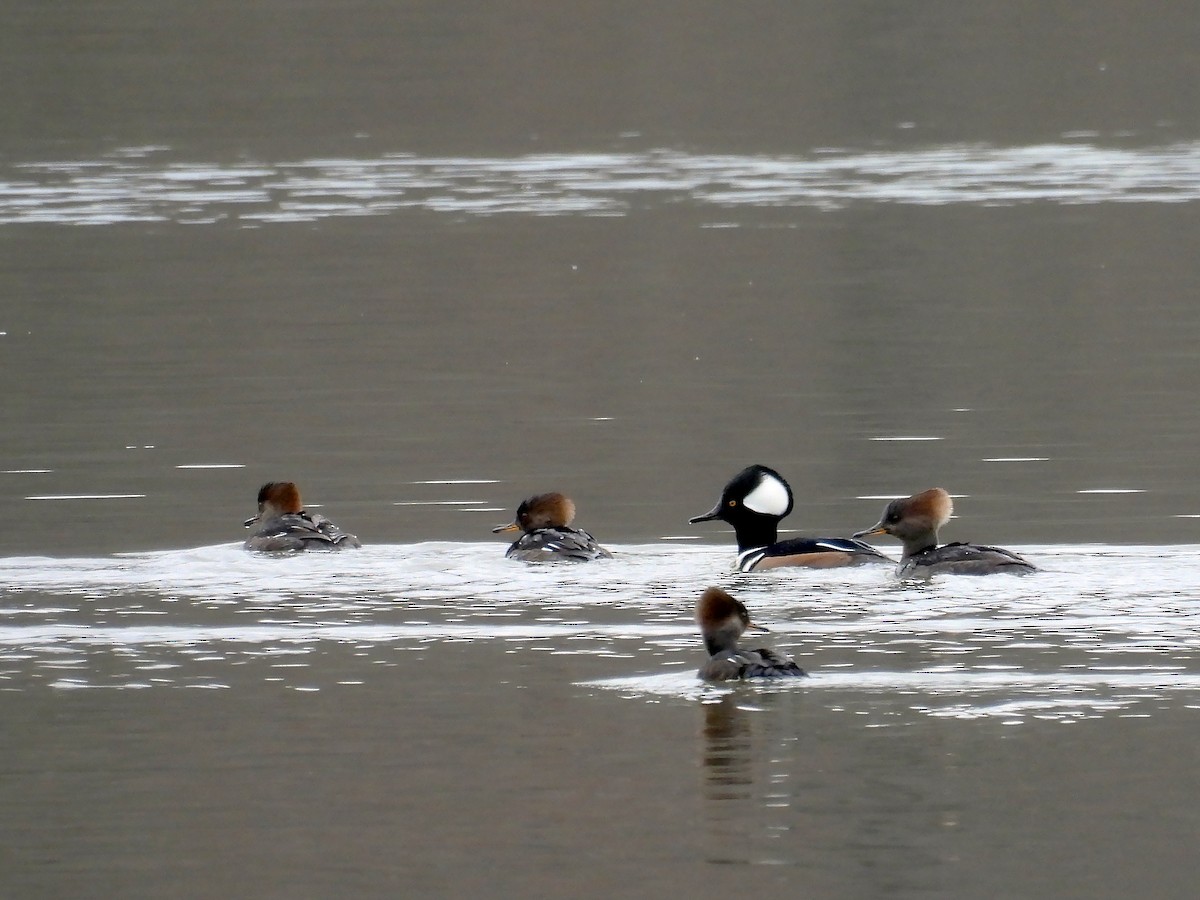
[(722, 620), (546, 520), (284, 525), (753, 503), (915, 520)]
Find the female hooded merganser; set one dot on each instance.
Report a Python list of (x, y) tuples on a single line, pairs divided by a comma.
[(753, 503), (284, 525), (546, 520), (722, 620), (915, 520)]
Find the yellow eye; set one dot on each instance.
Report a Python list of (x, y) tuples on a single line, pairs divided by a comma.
[(733, 503)]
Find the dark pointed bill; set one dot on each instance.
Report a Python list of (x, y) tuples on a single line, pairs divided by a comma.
[(870, 532), (714, 513)]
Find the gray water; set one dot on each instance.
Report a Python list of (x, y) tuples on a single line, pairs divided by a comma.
[(426, 259)]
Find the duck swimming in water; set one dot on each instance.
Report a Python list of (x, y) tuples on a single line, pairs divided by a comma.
[(915, 521), (284, 525), (753, 502), (722, 620), (546, 520)]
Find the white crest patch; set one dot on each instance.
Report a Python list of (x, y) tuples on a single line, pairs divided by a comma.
[(770, 497)]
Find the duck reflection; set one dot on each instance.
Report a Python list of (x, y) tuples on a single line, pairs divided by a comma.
[(746, 795), (866, 811), (726, 750)]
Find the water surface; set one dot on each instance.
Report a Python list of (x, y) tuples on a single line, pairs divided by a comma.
[(351, 675), (144, 184), (427, 259)]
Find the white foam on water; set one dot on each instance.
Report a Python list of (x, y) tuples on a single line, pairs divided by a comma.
[(1098, 630), (153, 187)]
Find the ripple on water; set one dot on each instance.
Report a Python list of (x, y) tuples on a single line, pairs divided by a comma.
[(1100, 630), (147, 186)]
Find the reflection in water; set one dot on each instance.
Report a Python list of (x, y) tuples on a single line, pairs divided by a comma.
[(726, 736), (776, 794), (136, 185), (745, 782)]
